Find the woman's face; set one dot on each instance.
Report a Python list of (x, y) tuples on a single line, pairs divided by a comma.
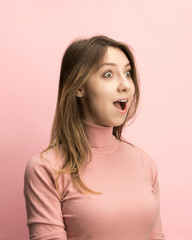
[(107, 95)]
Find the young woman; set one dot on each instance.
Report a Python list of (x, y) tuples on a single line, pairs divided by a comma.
[(89, 183)]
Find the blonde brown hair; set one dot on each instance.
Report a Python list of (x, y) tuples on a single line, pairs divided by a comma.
[(80, 61)]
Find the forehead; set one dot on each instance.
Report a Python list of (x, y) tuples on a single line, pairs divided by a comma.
[(115, 55)]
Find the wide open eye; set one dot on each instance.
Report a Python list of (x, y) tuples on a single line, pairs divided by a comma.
[(107, 74), (128, 74)]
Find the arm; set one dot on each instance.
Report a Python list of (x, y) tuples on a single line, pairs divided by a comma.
[(43, 203), (157, 233)]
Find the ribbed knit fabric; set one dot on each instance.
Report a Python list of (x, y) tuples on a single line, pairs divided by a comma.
[(128, 208)]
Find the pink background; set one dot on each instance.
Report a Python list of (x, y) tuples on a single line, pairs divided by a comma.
[(34, 35)]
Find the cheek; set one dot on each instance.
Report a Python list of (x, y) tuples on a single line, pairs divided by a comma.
[(133, 90), (99, 94)]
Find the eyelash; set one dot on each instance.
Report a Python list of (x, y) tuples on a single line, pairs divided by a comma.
[(105, 74)]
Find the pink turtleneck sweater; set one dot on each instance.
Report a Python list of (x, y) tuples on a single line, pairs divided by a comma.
[(128, 209)]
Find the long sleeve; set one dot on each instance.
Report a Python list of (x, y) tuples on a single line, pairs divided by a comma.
[(43, 203), (127, 209), (157, 232)]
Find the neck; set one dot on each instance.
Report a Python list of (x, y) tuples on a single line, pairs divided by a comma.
[(99, 136)]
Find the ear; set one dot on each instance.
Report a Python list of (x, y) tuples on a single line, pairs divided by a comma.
[(80, 92)]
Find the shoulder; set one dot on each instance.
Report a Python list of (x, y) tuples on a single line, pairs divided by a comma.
[(143, 154), (41, 166), (42, 174), (135, 149), (33, 165), (148, 161), (144, 158)]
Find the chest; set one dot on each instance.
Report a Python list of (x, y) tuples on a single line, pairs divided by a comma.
[(127, 201)]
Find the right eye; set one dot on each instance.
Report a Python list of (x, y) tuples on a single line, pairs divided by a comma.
[(107, 74)]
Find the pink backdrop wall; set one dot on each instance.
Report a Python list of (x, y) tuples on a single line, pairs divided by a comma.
[(34, 35)]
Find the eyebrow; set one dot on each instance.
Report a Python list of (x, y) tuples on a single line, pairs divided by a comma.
[(113, 64)]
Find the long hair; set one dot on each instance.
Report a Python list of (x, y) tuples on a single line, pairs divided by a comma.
[(80, 61)]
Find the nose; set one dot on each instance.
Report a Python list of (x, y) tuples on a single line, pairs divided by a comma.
[(125, 84)]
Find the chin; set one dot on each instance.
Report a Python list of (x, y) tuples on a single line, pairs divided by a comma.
[(109, 123), (118, 123)]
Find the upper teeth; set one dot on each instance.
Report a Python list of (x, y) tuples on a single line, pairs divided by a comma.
[(122, 100)]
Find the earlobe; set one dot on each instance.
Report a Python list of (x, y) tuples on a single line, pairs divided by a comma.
[(80, 93)]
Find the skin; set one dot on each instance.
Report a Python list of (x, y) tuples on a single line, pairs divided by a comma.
[(111, 82)]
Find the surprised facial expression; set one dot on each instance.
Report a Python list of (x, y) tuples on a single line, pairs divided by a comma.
[(107, 95)]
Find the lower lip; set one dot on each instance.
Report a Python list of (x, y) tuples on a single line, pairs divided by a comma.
[(122, 111)]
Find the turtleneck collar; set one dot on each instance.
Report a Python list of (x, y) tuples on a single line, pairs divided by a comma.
[(100, 137)]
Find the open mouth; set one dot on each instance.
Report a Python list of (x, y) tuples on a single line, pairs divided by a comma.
[(120, 104)]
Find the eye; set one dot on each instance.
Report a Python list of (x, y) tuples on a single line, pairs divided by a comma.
[(107, 74), (128, 74)]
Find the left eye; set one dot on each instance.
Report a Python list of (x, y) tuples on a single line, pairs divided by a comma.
[(107, 74), (128, 74)]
